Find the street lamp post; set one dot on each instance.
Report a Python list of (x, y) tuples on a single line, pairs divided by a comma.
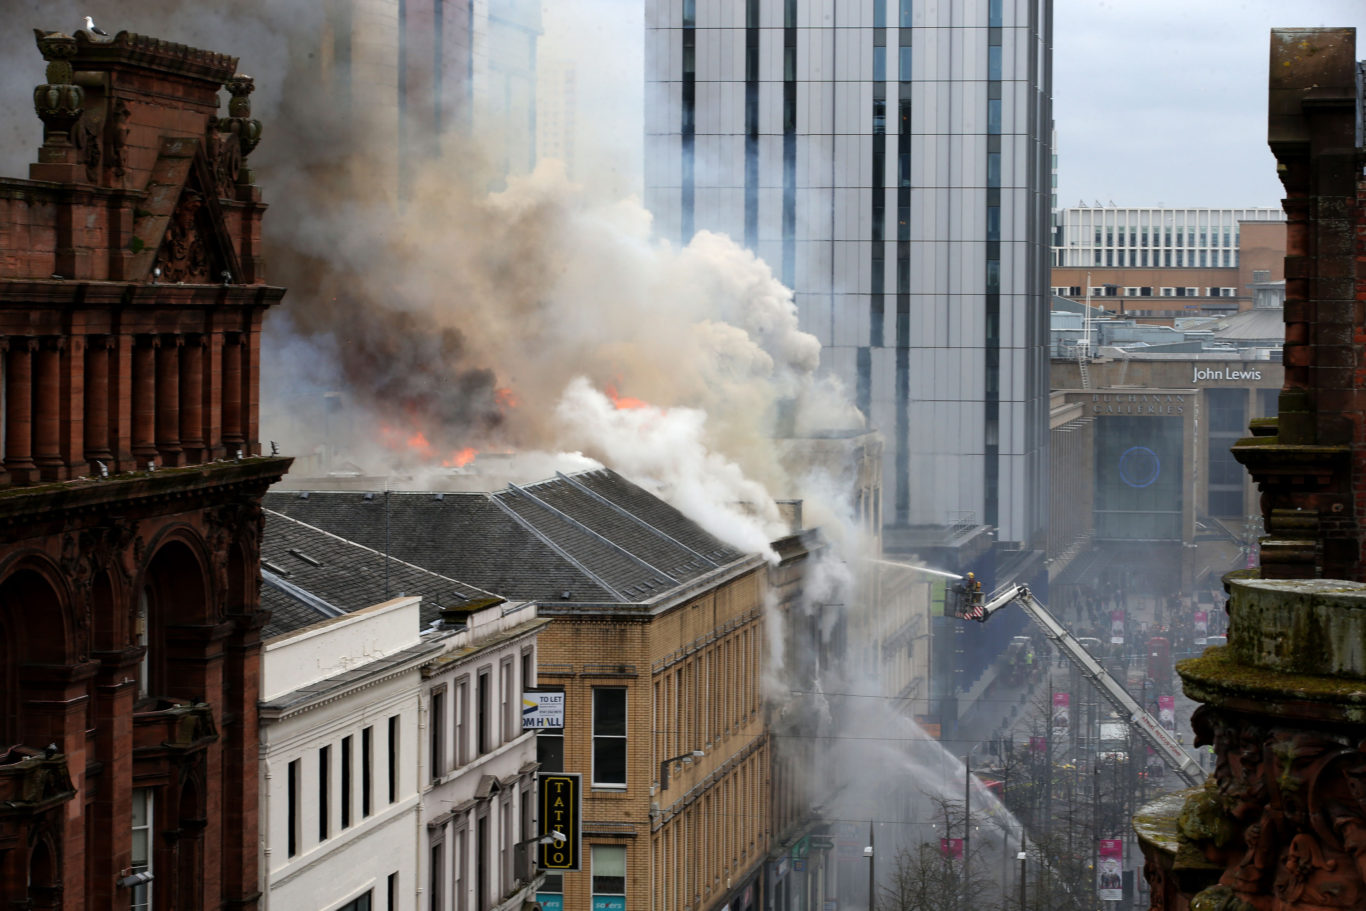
[(872, 886), (526, 859), (666, 764), (1022, 855)]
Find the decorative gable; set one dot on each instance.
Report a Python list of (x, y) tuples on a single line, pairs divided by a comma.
[(180, 229)]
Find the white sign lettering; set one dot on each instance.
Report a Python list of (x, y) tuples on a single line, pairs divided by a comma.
[(1225, 374)]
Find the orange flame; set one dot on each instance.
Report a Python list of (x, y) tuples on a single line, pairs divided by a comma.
[(460, 458), (624, 402), (506, 398), (418, 443)]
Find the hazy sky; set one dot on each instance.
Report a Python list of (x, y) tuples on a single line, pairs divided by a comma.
[(1164, 101), (1155, 101)]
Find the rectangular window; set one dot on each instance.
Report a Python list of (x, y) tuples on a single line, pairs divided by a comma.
[(143, 814), (462, 721), (505, 850), (506, 689), (994, 116), (292, 807), (880, 64), (324, 791), (552, 890), (609, 737), (367, 766), (609, 876), (879, 13), (994, 61), (905, 21), (458, 871), (437, 877), (904, 64), (528, 669), (346, 782), (359, 903), (436, 726), (392, 770), (391, 893), (483, 719), (994, 13), (993, 222)]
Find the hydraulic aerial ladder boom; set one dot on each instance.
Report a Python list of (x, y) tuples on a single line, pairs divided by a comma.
[(1156, 736)]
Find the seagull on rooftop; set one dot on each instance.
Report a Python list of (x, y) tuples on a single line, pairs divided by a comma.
[(94, 29)]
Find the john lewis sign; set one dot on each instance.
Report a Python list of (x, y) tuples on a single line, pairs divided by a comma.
[(1225, 374)]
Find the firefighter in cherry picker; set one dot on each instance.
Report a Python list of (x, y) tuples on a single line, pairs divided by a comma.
[(970, 597)]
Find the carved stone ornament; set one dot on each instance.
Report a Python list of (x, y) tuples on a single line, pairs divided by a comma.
[(58, 102), (236, 524), (78, 567), (86, 137), (241, 134), (116, 126), (183, 256), (1285, 816)]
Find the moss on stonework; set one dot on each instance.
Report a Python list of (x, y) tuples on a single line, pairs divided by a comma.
[(1155, 822), (1299, 626), (1215, 676)]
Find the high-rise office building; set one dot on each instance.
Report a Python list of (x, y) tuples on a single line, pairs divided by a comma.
[(891, 160)]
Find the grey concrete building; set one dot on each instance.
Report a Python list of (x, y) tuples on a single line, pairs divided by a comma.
[(890, 160)]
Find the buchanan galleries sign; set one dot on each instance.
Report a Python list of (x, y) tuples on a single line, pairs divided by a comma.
[(1157, 404)]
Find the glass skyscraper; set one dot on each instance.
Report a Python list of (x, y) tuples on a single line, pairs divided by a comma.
[(890, 159)]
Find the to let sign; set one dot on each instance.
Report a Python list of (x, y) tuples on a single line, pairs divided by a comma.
[(542, 710), (559, 796)]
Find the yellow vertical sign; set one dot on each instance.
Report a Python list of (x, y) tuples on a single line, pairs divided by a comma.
[(560, 805)]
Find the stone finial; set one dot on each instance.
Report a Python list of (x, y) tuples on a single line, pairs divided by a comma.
[(58, 102), (242, 134)]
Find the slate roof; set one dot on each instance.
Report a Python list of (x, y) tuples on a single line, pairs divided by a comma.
[(341, 574), (593, 535)]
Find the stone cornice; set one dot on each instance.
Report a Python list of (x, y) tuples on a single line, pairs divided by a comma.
[(31, 510)]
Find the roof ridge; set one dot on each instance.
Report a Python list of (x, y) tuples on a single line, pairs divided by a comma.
[(600, 538), (621, 510), (544, 539)]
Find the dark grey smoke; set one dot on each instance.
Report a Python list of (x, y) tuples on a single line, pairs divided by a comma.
[(324, 164)]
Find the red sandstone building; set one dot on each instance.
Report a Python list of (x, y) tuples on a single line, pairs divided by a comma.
[(131, 299)]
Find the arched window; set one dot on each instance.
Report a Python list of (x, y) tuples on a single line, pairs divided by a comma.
[(32, 631), (173, 593)]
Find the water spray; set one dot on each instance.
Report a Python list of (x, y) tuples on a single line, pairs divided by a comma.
[(923, 569)]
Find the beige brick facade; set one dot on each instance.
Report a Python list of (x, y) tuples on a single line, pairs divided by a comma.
[(690, 666)]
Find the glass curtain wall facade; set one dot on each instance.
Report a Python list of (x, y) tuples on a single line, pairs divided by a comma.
[(890, 160)]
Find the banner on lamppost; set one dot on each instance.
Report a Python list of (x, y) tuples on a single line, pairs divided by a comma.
[(1062, 719), (1166, 712), (1117, 627), (952, 848), (1038, 744), (1201, 627), (1109, 870)]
